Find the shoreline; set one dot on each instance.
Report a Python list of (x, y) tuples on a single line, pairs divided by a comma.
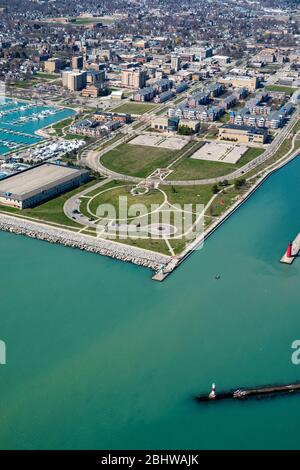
[(162, 265), (123, 252), (55, 235), (231, 210)]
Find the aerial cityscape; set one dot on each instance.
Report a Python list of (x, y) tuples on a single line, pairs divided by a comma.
[(160, 141)]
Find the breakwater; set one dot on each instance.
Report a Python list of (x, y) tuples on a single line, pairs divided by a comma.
[(113, 249), (255, 392)]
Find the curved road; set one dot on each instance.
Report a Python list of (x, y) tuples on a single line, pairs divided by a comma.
[(93, 159), (73, 204)]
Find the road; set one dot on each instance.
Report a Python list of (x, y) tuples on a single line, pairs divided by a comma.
[(73, 204), (93, 159)]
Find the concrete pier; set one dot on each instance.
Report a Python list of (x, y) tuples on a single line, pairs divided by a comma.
[(294, 251), (165, 270), (244, 393)]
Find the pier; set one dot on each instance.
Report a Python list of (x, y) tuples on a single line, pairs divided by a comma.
[(292, 251), (14, 133), (244, 393), (165, 270)]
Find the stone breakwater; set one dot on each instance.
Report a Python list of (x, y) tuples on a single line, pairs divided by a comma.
[(88, 243)]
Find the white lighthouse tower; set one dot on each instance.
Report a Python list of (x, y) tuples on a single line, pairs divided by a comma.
[(212, 394)]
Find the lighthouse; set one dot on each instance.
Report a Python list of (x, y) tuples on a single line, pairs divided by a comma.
[(212, 394), (289, 250)]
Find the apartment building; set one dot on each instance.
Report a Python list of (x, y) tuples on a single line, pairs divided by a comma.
[(77, 62), (134, 78), (54, 65), (144, 94), (175, 62), (74, 81)]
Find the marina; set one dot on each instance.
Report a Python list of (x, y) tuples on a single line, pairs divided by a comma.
[(19, 122)]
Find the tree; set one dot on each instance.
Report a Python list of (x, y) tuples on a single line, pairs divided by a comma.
[(185, 130), (215, 189), (239, 183)]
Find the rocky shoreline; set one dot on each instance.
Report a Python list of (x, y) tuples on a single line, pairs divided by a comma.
[(88, 243)]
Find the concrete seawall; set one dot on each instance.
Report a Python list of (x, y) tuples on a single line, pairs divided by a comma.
[(232, 209), (88, 243)]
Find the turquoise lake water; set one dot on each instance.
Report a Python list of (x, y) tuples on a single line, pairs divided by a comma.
[(99, 356), (20, 117)]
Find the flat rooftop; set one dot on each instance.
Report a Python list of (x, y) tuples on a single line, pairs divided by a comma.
[(32, 181), (251, 130)]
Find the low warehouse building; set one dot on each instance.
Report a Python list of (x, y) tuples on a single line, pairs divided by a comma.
[(38, 184)]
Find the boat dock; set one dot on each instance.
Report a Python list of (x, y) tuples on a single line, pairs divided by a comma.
[(4, 130), (244, 393), (292, 251)]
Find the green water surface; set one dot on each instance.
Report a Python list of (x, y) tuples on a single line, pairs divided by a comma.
[(99, 356)]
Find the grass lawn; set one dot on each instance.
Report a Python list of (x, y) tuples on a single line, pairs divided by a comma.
[(74, 136), (177, 194), (24, 84), (91, 20), (84, 201), (287, 89), (137, 160), (134, 108), (47, 76), (51, 211), (188, 194), (249, 155), (192, 169), (159, 246), (225, 199), (61, 124), (112, 197), (161, 112), (225, 118)]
